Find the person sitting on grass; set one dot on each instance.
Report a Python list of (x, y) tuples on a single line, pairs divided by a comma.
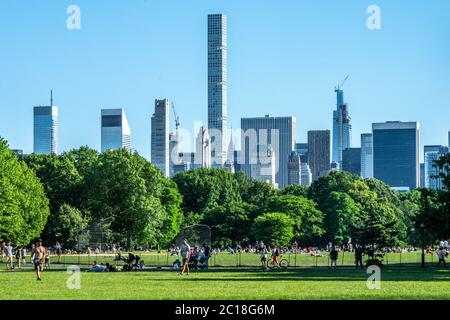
[(111, 267), (97, 267)]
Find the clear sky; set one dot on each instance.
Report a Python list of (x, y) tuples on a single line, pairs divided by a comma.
[(285, 57)]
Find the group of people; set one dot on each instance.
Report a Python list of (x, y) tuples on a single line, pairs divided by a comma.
[(190, 256), (275, 252), (40, 256), (16, 256)]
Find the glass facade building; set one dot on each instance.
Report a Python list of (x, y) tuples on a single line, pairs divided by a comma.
[(260, 134), (342, 128), (115, 131), (396, 153), (431, 171), (45, 130), (366, 155), (319, 153), (351, 160), (217, 87)]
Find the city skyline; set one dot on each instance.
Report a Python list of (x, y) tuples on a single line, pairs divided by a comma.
[(363, 91)]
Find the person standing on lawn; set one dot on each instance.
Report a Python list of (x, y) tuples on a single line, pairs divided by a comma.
[(442, 252), (359, 251), (185, 253), (38, 258), (333, 257), (9, 256)]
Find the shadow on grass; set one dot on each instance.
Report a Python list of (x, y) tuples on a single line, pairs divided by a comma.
[(387, 274)]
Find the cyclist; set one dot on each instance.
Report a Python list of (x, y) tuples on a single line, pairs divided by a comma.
[(275, 255)]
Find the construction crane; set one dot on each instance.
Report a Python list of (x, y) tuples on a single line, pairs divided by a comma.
[(177, 118), (340, 85)]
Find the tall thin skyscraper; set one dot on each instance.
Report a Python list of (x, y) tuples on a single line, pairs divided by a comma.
[(45, 128), (366, 156), (259, 135), (160, 136), (319, 153), (116, 133), (342, 128), (217, 87), (396, 153)]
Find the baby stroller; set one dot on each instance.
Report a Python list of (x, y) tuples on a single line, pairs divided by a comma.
[(198, 261), (133, 262)]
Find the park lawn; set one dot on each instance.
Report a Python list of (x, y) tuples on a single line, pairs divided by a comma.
[(216, 284)]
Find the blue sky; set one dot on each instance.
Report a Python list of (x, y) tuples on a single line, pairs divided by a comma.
[(285, 57)]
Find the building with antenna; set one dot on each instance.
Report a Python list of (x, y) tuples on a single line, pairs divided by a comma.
[(342, 128), (45, 128)]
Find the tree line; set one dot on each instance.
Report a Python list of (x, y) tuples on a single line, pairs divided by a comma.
[(58, 197)]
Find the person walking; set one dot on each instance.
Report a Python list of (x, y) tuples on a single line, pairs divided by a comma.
[(58, 249), (9, 256), (185, 254), (38, 258), (264, 253), (442, 252)]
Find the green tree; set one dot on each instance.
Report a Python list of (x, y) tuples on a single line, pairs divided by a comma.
[(340, 214), (67, 225), (204, 189), (128, 189), (307, 218), (274, 227), (295, 190), (24, 208), (230, 223)]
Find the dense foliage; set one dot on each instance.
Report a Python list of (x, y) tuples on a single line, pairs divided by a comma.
[(23, 204), (63, 197)]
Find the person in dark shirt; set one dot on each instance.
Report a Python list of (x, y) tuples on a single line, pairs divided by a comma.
[(206, 252), (333, 257), (359, 251)]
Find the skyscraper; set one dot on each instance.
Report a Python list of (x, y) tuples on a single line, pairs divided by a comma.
[(351, 160), (116, 133), (431, 171), (45, 129), (306, 176), (294, 168), (342, 128), (258, 134), (319, 153), (302, 151), (366, 156), (202, 149), (396, 153), (217, 87), (160, 136)]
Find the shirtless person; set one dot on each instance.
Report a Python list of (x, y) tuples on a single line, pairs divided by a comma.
[(38, 258)]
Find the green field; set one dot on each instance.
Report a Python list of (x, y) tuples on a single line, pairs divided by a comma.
[(221, 283)]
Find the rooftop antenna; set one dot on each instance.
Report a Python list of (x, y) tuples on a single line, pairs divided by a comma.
[(51, 98)]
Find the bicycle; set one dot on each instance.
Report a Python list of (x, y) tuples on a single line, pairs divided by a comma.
[(283, 263)]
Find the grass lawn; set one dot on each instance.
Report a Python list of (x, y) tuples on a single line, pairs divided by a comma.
[(219, 283)]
